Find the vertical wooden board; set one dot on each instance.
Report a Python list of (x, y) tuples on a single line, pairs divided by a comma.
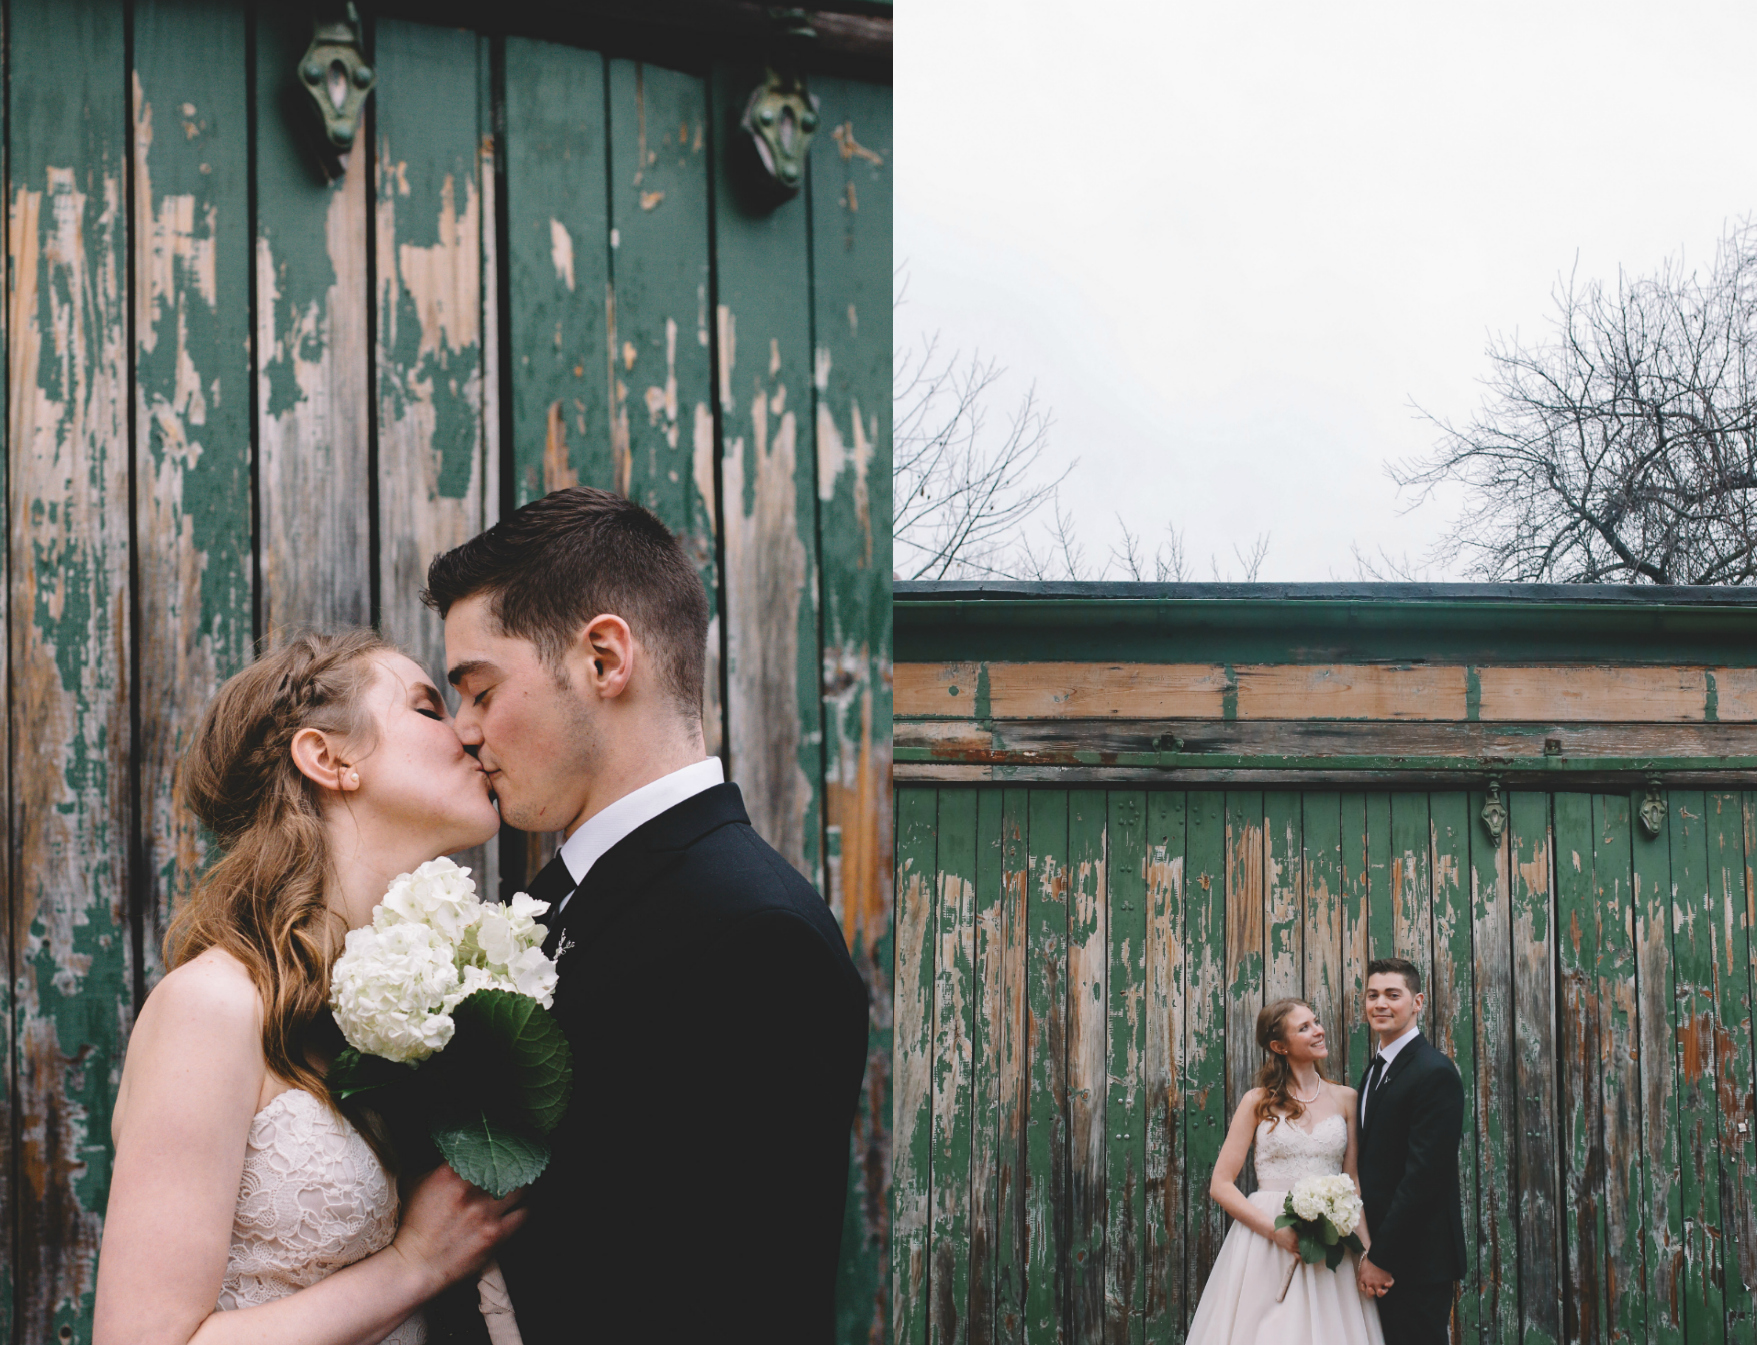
[(428, 262), (1321, 920), (558, 268), (191, 239), (1244, 950), (10, 1188), (1534, 1020), (68, 566), (1662, 1203), (1046, 1158), (1412, 920), (1496, 1116), (1283, 874), (1381, 908), (1012, 1245), (1453, 1020), (1127, 862), (1729, 906), (1088, 1063), (1205, 1004), (1163, 1235), (912, 1066), (1356, 941), (953, 1013), (1620, 1087), (312, 356), (1693, 960), (1580, 1101), (987, 1035), (851, 388), (762, 277)]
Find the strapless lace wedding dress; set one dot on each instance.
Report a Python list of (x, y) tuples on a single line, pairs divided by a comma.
[(1323, 1306), (314, 1199)]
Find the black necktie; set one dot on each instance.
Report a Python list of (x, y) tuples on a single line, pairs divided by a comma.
[(551, 884), (1374, 1071)]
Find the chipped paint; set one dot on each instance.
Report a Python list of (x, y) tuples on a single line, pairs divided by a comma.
[(851, 148), (561, 253), (662, 401)]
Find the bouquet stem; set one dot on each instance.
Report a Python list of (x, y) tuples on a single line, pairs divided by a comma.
[(1287, 1280)]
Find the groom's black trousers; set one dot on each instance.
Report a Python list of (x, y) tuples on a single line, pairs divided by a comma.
[(1417, 1314)]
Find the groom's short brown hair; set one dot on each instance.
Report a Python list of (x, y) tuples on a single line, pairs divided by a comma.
[(552, 566), (1396, 966)]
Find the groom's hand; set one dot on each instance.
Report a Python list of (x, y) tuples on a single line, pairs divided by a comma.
[(1373, 1281)]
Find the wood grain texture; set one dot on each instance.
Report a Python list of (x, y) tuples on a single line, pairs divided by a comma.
[(1046, 1274), (1284, 933), (313, 354), (1204, 1071), (912, 1063), (1244, 953), (1496, 1115), (1165, 1205), (1453, 996), (1381, 861), (1534, 1042), (1012, 1229), (999, 924), (1088, 1013), (1369, 691), (850, 203), (1321, 923), (1735, 1108), (1593, 693), (191, 242), (1412, 920), (1125, 1118), (68, 574), (954, 1003), (1356, 934)]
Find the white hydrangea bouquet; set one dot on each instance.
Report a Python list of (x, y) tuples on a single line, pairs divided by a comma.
[(1323, 1211), (443, 1000)]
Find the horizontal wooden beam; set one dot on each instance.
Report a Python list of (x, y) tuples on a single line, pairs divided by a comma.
[(1460, 693), (1331, 776)]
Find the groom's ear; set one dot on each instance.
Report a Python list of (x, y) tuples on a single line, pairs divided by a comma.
[(605, 652)]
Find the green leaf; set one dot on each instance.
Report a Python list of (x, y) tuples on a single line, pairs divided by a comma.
[(352, 1073), (491, 1156), (1310, 1249), (1333, 1257), (1352, 1242), (527, 1041), (1287, 1220), (1331, 1236)]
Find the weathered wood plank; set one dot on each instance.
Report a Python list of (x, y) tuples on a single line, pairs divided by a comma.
[(1046, 1168), (191, 239), (954, 1002), (1534, 1020), (762, 260), (1127, 862), (1166, 1210), (1012, 1244), (1244, 951), (1321, 920), (1663, 1225), (1381, 861), (1736, 1109), (11, 1188), (1496, 1116), (1620, 1090), (558, 268), (1283, 874), (313, 353), (1693, 962), (1088, 1061), (1369, 691), (1593, 693), (987, 1036), (1204, 1065), (68, 574), (1452, 1022), (1579, 1052), (912, 1067), (1356, 940), (851, 389), (1412, 919)]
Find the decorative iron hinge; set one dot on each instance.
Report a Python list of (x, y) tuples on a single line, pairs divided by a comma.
[(1653, 807), (337, 78), (1494, 812), (781, 114)]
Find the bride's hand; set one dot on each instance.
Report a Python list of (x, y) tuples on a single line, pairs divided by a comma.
[(450, 1228), (1286, 1239)]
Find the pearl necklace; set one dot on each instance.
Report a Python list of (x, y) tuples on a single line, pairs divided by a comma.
[(1305, 1101)]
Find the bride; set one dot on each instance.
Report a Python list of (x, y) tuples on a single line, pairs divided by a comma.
[(1302, 1126), (243, 1206)]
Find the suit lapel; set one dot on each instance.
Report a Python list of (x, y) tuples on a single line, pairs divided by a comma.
[(1375, 1104)]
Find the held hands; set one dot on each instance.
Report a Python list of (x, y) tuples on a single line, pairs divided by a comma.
[(1373, 1282), (450, 1228)]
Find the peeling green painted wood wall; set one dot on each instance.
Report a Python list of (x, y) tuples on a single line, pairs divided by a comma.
[(240, 398), (1075, 968)]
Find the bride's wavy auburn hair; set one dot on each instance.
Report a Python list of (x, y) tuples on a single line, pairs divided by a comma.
[(263, 899), (1275, 1078)]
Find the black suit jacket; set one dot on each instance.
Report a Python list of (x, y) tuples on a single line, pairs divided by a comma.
[(1409, 1167), (718, 1030)]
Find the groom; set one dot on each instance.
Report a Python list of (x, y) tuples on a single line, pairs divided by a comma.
[(717, 1023), (1411, 1121)]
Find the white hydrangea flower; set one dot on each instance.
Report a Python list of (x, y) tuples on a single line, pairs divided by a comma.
[(1307, 1203), (431, 945)]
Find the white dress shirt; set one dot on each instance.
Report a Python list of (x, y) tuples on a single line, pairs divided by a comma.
[(604, 829), (1388, 1054)]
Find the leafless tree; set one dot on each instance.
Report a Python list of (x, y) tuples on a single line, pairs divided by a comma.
[(1384, 568), (1624, 447), (963, 490)]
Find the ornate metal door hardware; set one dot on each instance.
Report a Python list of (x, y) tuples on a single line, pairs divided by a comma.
[(337, 80)]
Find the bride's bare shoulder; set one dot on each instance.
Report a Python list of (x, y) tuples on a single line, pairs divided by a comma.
[(211, 995)]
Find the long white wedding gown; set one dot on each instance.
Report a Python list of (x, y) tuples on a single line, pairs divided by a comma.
[(314, 1198), (1323, 1306)]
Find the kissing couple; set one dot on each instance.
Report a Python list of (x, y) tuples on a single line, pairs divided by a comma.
[(717, 1025), (1395, 1140)]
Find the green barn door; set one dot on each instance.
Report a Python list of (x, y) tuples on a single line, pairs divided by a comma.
[(1078, 977)]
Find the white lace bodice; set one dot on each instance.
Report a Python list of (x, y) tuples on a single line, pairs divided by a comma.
[(1286, 1153), (314, 1198)]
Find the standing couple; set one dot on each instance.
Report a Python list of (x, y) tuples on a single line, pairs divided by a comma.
[(717, 1025), (1397, 1136)]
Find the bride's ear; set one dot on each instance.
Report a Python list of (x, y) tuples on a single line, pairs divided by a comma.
[(319, 760)]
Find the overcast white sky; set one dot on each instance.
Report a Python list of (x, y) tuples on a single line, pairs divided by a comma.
[(1232, 243)]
